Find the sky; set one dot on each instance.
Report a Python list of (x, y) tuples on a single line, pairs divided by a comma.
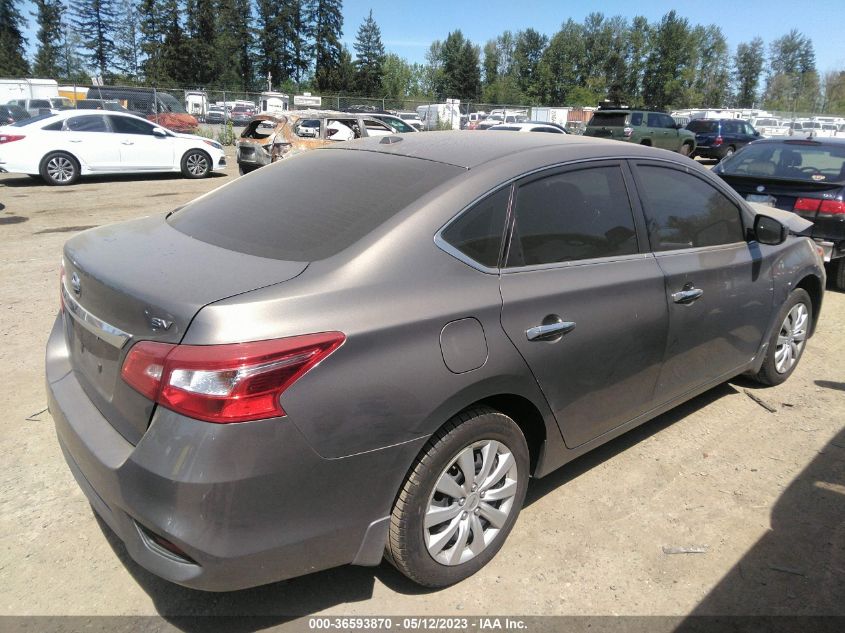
[(408, 28)]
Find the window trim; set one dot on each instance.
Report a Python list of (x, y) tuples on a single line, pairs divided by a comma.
[(647, 162), (595, 163)]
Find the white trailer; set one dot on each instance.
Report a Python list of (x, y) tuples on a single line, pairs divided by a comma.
[(551, 115), (196, 103), (275, 102), (441, 116), (28, 89)]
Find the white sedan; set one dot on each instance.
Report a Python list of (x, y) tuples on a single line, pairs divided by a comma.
[(62, 147)]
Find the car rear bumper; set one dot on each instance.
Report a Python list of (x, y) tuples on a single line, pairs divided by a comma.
[(253, 155), (241, 504)]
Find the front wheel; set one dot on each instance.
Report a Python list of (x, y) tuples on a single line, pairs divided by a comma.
[(196, 164), (460, 500), (787, 342)]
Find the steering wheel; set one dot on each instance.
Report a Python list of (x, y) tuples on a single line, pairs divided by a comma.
[(809, 170)]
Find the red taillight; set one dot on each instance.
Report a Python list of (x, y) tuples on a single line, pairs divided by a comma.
[(807, 204), (8, 138), (628, 131), (832, 206), (719, 140), (225, 383)]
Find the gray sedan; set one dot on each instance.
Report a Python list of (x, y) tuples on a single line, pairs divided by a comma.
[(369, 349)]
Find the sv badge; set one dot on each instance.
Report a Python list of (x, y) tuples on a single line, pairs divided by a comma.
[(157, 323)]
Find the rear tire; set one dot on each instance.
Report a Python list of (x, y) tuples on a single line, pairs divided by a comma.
[(686, 149), (788, 341), (446, 525), (59, 169), (196, 164)]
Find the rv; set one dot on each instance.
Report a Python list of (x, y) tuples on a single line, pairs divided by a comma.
[(441, 116), (28, 89), (196, 103), (273, 103)]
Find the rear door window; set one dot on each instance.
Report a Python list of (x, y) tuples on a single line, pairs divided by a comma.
[(609, 119), (87, 123), (683, 211), (126, 125), (571, 216)]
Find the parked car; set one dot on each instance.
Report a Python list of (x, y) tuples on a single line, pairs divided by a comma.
[(241, 115), (529, 126), (215, 114), (575, 127), (500, 118), (642, 127), (720, 138), (11, 113), (349, 358), (62, 147), (395, 123), (412, 119), (271, 137), (100, 104), (157, 106), (804, 176), (34, 106)]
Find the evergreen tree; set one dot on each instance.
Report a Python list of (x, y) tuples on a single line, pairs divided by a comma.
[(48, 15), (369, 57), (127, 35), (153, 26), (326, 18), (296, 34), (201, 33), (270, 50), (94, 20), (12, 42), (234, 44), (665, 80), (71, 64), (176, 58), (638, 49), (748, 66), (461, 71)]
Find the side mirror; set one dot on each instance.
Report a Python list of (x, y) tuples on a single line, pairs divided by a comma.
[(157, 131), (768, 230)]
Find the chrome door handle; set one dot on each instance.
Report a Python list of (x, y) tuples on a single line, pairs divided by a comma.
[(127, 142), (549, 331), (688, 295), (74, 140)]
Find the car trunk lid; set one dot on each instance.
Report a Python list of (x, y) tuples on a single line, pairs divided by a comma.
[(144, 280)]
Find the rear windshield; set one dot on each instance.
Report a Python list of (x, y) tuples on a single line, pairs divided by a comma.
[(609, 119), (312, 206), (793, 160), (34, 119), (701, 126)]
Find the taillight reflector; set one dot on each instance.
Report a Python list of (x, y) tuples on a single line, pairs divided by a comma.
[(832, 206), (8, 138), (807, 204), (225, 383), (719, 140)]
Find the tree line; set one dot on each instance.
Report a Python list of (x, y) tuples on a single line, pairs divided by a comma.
[(239, 44)]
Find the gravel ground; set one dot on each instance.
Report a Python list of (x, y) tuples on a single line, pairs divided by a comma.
[(761, 493)]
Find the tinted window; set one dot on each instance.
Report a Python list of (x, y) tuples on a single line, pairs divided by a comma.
[(730, 127), (398, 124), (683, 211), (667, 121), (125, 125), (701, 126), (478, 232), (90, 123), (311, 206), (39, 103), (637, 118), (611, 119), (653, 119), (553, 130), (34, 119), (793, 160), (54, 127), (576, 215)]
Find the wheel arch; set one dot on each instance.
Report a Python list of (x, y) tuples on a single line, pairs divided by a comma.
[(646, 142), (812, 285), (61, 151)]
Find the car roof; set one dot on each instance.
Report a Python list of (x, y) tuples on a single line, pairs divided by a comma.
[(470, 149)]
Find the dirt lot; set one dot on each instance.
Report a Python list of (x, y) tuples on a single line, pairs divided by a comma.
[(763, 493)]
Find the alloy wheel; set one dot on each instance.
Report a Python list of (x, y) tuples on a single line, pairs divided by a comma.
[(471, 502), (791, 339), (60, 169), (197, 164)]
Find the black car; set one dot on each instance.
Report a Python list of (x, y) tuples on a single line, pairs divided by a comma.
[(11, 113), (806, 176), (720, 138), (215, 115)]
